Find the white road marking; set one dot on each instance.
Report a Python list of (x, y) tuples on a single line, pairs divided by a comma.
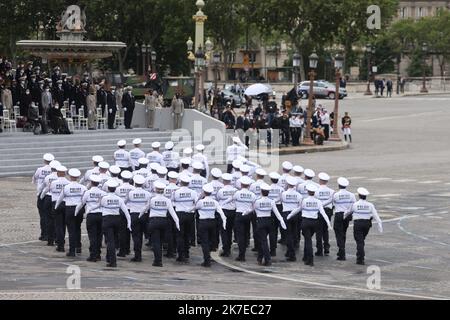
[(380, 179), (388, 195), (430, 182), (411, 208), (356, 178), (219, 260), (403, 116), (404, 180), (399, 224)]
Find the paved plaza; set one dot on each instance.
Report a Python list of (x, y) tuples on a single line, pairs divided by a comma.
[(400, 153)]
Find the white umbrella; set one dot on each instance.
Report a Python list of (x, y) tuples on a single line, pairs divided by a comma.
[(257, 89)]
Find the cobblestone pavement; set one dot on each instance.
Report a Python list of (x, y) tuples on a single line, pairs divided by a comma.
[(400, 153)]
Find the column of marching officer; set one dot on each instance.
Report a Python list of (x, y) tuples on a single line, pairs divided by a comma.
[(175, 201)]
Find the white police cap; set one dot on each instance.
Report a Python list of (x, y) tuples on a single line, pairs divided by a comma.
[(126, 175), (103, 165), (310, 173), (61, 169), (287, 165), (236, 140), (95, 178), (265, 187), (75, 173), (343, 182), (227, 177), (143, 161), (154, 166), (172, 175), (162, 170), (261, 172), (185, 178), (292, 181), (121, 143), (245, 180), (49, 157), (216, 173), (208, 188), (197, 165), (237, 164), (159, 185), (55, 164), (114, 169), (138, 179), (363, 192), (274, 176), (137, 141), (112, 183), (311, 187), (200, 147), (298, 169), (156, 145), (187, 151), (169, 145), (244, 168), (97, 159), (185, 161), (323, 176)]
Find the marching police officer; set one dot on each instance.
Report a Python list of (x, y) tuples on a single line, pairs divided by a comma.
[(184, 200), (123, 235), (234, 151), (95, 170), (287, 168), (71, 195), (363, 211), (111, 205), (291, 200), (263, 208), (90, 200), (324, 194), (229, 209), (122, 156), (343, 201), (275, 194), (171, 158), (158, 221), (310, 208), (207, 207), (137, 200), (203, 159), (136, 153), (155, 156)]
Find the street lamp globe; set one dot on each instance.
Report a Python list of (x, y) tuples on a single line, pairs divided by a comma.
[(190, 44), (368, 48), (216, 58), (296, 60), (143, 48), (199, 57), (338, 61), (313, 60), (425, 47), (208, 45), (153, 54)]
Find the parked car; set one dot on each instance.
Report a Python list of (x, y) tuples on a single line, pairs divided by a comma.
[(238, 100), (321, 89)]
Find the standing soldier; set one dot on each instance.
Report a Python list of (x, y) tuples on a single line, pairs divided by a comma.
[(122, 156), (291, 200), (137, 200), (207, 207), (158, 221), (325, 195), (112, 107), (343, 201), (136, 154), (91, 103), (347, 127), (38, 180), (171, 158), (71, 195), (264, 207), (90, 200), (128, 107), (184, 200), (110, 206), (310, 208), (150, 107), (363, 212), (177, 109)]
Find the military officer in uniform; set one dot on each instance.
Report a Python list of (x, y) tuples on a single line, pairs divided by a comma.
[(112, 107), (177, 109), (363, 211), (128, 102)]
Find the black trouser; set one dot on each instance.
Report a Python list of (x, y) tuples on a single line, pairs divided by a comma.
[(340, 227), (157, 228), (94, 229), (194, 231), (43, 217), (240, 223), (227, 234), (254, 231), (309, 227), (128, 117), (137, 232), (322, 236), (273, 236), (110, 226), (247, 226), (73, 224), (187, 223), (171, 237), (123, 235), (263, 228), (326, 129), (298, 233), (360, 231), (46, 208), (295, 134), (216, 239), (229, 168), (285, 136), (203, 173), (111, 119), (60, 224), (207, 231), (292, 230)]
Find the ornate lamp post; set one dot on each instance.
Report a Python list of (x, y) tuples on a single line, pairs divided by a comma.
[(296, 59), (144, 55), (216, 61), (369, 50), (338, 64), (199, 64), (313, 60), (424, 75)]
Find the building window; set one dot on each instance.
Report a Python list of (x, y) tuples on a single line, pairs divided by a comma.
[(403, 13), (252, 57), (421, 12), (232, 57)]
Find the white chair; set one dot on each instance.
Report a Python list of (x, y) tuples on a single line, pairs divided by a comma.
[(101, 120), (10, 124), (83, 122), (16, 112), (74, 116), (68, 119), (119, 120)]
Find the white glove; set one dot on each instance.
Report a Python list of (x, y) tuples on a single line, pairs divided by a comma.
[(129, 226), (290, 215), (124, 109), (224, 224), (110, 110), (182, 114), (173, 114), (178, 226), (330, 228), (90, 112), (246, 213), (380, 228), (283, 225)]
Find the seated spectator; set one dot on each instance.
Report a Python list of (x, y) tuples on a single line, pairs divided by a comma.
[(57, 121), (37, 125), (318, 136)]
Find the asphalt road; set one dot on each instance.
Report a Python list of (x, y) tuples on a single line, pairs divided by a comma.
[(400, 153)]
